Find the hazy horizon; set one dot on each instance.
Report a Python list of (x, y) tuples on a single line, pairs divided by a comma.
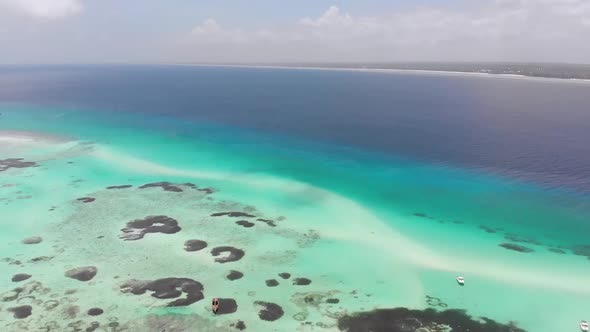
[(263, 31)]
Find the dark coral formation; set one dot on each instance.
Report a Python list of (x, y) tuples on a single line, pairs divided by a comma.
[(194, 245), (5, 164), (515, 247), (172, 187), (207, 191), (270, 311), (522, 239), (582, 250), (234, 254), (245, 223), (93, 327), (435, 302), (168, 288), (28, 290), (166, 186), (232, 214), (272, 283), (11, 261), (32, 240), (21, 312), (20, 277), (240, 325), (301, 281), (285, 275), (71, 311), (227, 306), (85, 273), (40, 259), (138, 228), (269, 222), (234, 275), (50, 304), (125, 186), (86, 199), (487, 229), (95, 312), (406, 320)]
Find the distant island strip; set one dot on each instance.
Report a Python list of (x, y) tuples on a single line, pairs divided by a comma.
[(539, 70)]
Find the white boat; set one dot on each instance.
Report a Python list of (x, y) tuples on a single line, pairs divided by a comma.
[(584, 325), (461, 282)]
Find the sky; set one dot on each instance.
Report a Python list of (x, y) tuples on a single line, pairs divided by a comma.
[(278, 31)]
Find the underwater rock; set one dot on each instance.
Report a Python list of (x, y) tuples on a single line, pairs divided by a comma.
[(406, 320), (487, 229), (517, 238), (71, 311), (207, 191), (234, 275), (20, 277), (95, 312), (272, 283), (6, 164), (125, 186), (435, 302), (167, 288), (50, 304), (557, 250), (269, 222), (32, 240), (232, 214), (85, 273), (301, 281), (582, 250), (245, 223), (29, 288), (21, 312), (40, 259), (515, 247), (194, 245), (269, 311), (227, 306), (234, 254), (166, 186), (138, 228), (93, 327), (285, 275), (86, 199), (240, 325)]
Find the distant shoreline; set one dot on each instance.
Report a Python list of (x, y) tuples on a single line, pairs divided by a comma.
[(395, 71)]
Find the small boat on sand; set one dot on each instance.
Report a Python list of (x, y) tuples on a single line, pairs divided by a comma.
[(460, 281), (584, 325)]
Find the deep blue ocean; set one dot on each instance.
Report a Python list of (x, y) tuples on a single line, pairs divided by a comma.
[(536, 130)]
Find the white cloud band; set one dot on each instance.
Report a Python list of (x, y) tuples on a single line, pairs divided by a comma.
[(43, 9), (499, 29)]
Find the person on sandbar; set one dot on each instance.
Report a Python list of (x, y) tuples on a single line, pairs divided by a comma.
[(215, 305)]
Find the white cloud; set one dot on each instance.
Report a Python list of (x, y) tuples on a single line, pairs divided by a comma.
[(331, 17), (528, 30), (43, 9)]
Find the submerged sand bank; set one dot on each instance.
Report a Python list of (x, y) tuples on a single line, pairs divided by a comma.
[(30, 137)]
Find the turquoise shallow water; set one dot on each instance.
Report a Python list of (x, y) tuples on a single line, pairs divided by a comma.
[(373, 231)]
